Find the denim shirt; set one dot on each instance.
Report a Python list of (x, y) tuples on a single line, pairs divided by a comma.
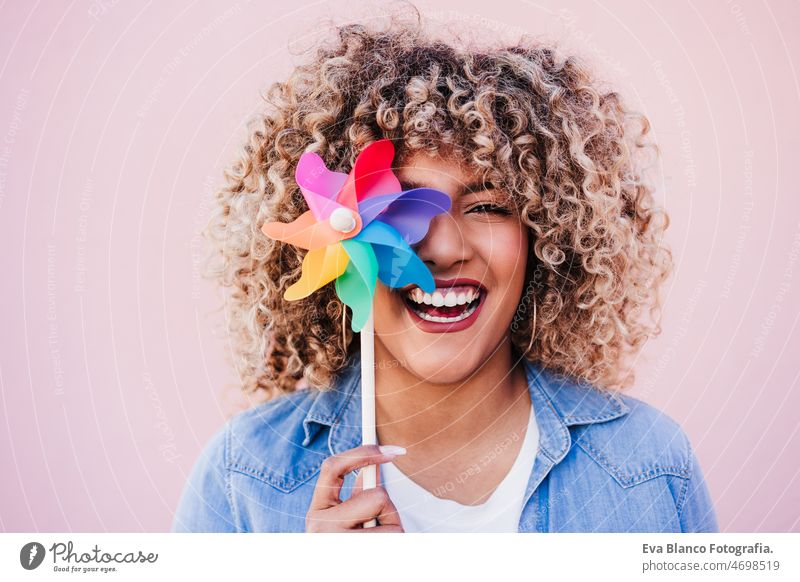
[(607, 462)]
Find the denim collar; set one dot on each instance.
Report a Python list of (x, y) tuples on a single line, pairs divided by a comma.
[(558, 401)]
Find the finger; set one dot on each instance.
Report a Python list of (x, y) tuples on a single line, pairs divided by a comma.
[(335, 467), (358, 486), (367, 505), (389, 515)]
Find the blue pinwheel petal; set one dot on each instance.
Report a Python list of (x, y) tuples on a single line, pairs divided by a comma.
[(398, 264), (408, 212)]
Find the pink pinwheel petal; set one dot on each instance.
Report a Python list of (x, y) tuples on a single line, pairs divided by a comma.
[(319, 185)]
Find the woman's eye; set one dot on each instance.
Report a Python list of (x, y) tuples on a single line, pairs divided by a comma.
[(490, 208)]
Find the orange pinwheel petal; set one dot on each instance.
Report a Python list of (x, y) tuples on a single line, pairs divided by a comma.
[(306, 232), (320, 267)]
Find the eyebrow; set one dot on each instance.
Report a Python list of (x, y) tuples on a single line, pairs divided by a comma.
[(478, 186)]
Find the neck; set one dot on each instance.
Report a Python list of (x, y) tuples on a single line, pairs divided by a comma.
[(439, 417)]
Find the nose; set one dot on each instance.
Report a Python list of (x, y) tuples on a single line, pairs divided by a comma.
[(445, 247)]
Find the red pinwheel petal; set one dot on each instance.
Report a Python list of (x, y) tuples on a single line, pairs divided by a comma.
[(371, 175)]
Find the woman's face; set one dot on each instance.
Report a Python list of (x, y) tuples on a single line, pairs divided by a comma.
[(477, 253)]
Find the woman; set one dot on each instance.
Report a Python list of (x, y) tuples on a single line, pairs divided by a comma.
[(499, 397)]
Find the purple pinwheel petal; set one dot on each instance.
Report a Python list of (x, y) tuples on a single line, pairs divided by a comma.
[(411, 212), (372, 207)]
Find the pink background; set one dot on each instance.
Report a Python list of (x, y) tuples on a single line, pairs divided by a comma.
[(116, 119)]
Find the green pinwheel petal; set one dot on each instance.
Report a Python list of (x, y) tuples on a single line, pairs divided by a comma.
[(356, 286)]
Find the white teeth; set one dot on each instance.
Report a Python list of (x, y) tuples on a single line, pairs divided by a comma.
[(467, 312), (444, 297), (448, 297)]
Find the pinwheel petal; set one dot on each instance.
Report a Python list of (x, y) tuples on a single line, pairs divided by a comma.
[(371, 175), (408, 212), (398, 264), (370, 208), (305, 232), (356, 286), (319, 185), (320, 267)]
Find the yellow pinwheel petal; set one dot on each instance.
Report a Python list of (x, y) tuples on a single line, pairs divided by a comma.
[(320, 266)]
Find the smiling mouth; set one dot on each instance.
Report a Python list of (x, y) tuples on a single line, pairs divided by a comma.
[(445, 304)]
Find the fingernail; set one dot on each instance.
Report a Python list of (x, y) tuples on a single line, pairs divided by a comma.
[(392, 450)]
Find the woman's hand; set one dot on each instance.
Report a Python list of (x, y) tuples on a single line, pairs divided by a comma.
[(328, 513)]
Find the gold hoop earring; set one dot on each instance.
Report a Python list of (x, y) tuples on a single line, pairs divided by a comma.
[(533, 327)]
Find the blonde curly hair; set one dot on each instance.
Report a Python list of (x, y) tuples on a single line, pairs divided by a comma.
[(534, 121)]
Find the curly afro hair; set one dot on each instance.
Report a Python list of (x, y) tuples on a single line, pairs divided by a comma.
[(535, 121)]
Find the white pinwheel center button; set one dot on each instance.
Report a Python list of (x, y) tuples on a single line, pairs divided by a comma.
[(342, 220)]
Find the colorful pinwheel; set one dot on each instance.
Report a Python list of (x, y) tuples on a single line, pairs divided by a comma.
[(359, 228)]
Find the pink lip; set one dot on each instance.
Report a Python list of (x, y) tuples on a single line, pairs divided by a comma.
[(436, 327)]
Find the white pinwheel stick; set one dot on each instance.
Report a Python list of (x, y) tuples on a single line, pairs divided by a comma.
[(368, 433)]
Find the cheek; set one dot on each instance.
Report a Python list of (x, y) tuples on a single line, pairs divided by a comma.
[(387, 309), (382, 303), (505, 249)]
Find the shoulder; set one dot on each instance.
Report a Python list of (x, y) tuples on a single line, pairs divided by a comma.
[(257, 442), (640, 445), (267, 440), (242, 441), (284, 441), (281, 415)]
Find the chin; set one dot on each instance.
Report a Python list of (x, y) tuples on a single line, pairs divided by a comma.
[(432, 365), (434, 351)]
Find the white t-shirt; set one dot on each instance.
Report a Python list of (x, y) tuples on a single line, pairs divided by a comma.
[(421, 511)]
